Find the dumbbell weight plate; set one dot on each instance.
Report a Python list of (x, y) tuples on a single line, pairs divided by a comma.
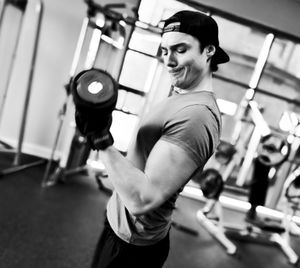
[(273, 150), (95, 87)]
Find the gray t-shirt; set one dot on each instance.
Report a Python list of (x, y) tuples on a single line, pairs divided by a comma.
[(191, 121)]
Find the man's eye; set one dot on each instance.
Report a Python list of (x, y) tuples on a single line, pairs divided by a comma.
[(181, 49)]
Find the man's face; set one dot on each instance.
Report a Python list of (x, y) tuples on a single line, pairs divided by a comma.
[(182, 57)]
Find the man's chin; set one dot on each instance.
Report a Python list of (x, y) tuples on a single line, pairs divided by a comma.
[(175, 82), (178, 84)]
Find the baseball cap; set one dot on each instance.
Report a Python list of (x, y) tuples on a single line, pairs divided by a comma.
[(199, 25)]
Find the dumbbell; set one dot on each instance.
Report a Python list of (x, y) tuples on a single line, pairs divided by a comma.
[(95, 94), (94, 90), (273, 150)]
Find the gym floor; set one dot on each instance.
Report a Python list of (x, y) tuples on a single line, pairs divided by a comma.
[(58, 227)]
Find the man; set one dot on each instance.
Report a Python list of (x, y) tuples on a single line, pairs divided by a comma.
[(173, 143)]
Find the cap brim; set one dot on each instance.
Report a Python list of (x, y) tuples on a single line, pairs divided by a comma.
[(221, 56)]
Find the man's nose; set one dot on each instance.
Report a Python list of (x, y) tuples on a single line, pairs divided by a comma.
[(170, 60)]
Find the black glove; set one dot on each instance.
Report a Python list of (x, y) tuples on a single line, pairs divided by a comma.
[(100, 140), (96, 130)]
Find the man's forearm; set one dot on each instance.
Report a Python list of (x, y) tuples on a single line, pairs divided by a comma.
[(130, 183)]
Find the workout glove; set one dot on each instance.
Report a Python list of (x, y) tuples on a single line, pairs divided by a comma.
[(96, 130)]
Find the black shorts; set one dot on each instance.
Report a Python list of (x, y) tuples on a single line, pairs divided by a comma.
[(113, 252)]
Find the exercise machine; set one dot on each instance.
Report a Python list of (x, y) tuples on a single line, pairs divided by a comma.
[(272, 151)]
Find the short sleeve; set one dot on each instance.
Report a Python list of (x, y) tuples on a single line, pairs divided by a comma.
[(195, 129)]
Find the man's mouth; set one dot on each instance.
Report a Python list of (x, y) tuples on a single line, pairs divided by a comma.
[(175, 72)]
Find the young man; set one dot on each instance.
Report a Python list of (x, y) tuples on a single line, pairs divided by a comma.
[(173, 143)]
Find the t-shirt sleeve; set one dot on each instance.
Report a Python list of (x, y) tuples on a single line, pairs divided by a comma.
[(195, 129)]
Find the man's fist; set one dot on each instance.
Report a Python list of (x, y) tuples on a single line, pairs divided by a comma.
[(96, 131)]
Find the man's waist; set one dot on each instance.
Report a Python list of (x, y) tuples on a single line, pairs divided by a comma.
[(143, 230)]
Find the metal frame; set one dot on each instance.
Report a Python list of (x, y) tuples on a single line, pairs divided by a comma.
[(240, 114), (60, 172), (47, 180), (2, 10), (16, 165)]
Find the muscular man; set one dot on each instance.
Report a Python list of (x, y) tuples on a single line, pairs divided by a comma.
[(174, 142)]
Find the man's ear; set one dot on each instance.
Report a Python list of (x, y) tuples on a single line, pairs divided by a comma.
[(210, 51)]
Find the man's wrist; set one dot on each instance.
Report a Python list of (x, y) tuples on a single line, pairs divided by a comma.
[(100, 141), (107, 149)]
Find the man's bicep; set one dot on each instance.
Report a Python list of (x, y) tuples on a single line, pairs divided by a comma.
[(168, 168)]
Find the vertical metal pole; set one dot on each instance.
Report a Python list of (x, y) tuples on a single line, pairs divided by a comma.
[(89, 63), (253, 83), (261, 61), (10, 68), (78, 49), (256, 76), (2, 8), (39, 11), (94, 46), (79, 46)]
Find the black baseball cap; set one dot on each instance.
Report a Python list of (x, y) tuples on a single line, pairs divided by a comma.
[(199, 25)]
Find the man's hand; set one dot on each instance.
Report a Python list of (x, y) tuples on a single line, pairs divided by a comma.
[(100, 140), (96, 130)]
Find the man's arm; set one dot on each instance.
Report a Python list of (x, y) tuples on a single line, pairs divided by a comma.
[(167, 169)]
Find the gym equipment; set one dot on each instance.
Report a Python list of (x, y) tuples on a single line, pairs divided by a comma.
[(243, 158), (273, 150), (59, 172), (112, 31), (47, 181), (225, 152), (21, 5), (290, 124), (290, 187), (211, 218), (210, 182), (265, 149), (2, 7), (16, 165), (95, 96), (253, 83)]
